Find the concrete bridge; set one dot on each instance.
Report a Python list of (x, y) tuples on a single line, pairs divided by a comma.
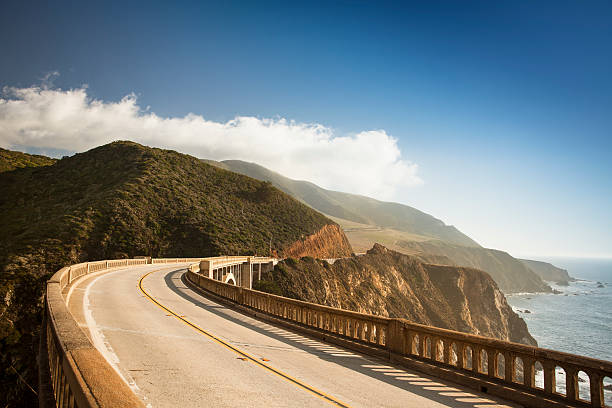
[(192, 332)]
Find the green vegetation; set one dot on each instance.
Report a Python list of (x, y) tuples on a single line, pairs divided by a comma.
[(115, 201), (10, 160)]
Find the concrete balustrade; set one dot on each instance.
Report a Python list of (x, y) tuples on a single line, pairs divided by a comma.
[(79, 376), (502, 368)]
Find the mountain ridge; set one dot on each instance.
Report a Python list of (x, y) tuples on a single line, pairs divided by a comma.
[(366, 221), (353, 207)]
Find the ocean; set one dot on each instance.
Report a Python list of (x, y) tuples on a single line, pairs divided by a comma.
[(577, 321)]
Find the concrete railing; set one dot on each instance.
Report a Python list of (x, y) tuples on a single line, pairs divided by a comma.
[(502, 368), (79, 375)]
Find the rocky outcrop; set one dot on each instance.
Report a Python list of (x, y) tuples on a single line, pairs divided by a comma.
[(549, 272), (511, 274), (328, 242), (388, 283)]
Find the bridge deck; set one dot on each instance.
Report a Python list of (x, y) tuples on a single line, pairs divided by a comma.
[(200, 353)]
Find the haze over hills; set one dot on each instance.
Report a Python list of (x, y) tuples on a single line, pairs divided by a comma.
[(402, 228), (352, 207), (549, 272)]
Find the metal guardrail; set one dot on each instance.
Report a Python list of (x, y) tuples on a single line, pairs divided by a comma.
[(512, 366)]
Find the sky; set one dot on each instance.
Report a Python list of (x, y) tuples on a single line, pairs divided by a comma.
[(495, 117)]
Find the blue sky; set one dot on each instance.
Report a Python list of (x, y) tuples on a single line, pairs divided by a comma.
[(506, 108)]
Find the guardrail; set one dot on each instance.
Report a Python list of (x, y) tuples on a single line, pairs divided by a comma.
[(79, 375), (503, 368)]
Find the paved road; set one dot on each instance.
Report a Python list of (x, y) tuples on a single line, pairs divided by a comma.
[(172, 362)]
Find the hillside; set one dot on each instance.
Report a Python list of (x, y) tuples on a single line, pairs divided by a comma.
[(352, 207), (11, 160), (548, 272), (388, 283), (122, 200), (366, 221), (510, 274)]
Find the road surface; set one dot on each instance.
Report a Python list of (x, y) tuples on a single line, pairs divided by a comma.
[(175, 347)]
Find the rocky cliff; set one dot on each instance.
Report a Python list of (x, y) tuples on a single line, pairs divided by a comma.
[(548, 272), (389, 283), (328, 242), (511, 274)]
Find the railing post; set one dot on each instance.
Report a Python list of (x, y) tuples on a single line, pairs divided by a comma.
[(571, 383), (395, 336), (492, 362), (446, 350), (597, 396), (423, 346), (476, 359), (528, 374), (509, 367), (549, 377)]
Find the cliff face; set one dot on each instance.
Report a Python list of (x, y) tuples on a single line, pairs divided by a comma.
[(328, 242), (548, 272), (388, 283), (511, 274)]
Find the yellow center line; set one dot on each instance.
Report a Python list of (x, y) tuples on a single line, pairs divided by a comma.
[(275, 371)]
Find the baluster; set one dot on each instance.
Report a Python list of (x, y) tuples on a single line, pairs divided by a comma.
[(549, 376), (492, 362), (509, 366), (476, 358), (423, 345), (597, 396), (446, 351), (460, 355), (528, 372), (571, 383)]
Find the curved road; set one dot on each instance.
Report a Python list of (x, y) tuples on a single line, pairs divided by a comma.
[(189, 351)]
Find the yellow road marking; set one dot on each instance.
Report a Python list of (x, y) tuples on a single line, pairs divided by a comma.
[(244, 355)]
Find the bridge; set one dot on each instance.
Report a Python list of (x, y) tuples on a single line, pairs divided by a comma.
[(193, 332)]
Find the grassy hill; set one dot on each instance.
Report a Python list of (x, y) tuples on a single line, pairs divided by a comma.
[(122, 200), (11, 160), (354, 208)]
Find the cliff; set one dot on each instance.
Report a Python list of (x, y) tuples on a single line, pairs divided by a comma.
[(549, 272), (511, 274), (328, 242), (389, 283)]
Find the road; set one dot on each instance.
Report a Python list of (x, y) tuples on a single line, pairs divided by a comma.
[(175, 347)]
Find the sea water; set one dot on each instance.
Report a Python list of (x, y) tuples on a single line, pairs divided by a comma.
[(577, 321)]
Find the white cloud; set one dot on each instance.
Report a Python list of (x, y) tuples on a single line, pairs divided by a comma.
[(368, 162)]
